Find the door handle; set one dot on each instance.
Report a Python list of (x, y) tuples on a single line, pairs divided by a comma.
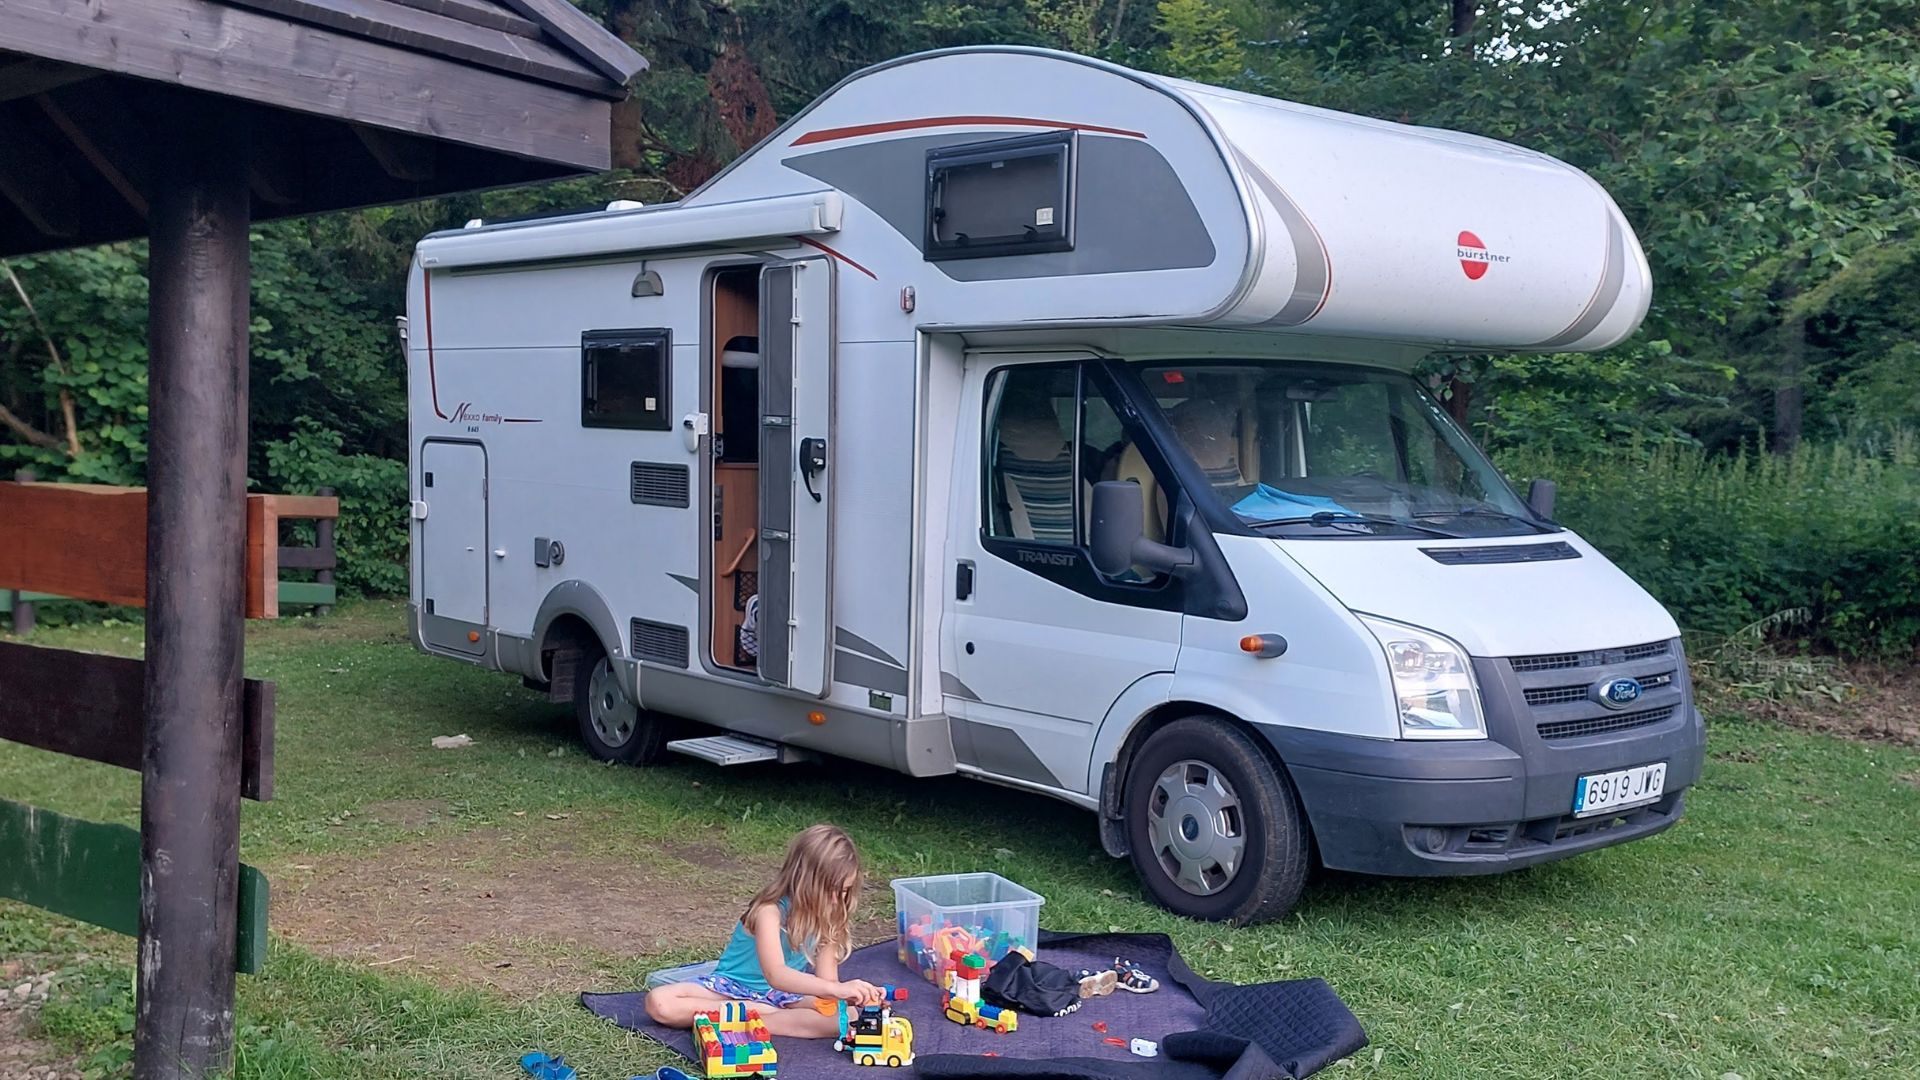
[(813, 460), (963, 581)]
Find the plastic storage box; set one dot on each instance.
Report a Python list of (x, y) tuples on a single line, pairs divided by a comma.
[(984, 913)]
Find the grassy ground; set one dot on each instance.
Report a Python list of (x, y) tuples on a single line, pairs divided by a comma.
[(1771, 934)]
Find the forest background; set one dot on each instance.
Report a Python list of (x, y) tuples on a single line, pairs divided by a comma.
[(1751, 454)]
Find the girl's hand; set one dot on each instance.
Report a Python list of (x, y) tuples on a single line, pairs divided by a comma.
[(860, 992)]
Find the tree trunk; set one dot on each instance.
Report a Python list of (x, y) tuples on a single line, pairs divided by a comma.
[(1789, 395), (196, 574)]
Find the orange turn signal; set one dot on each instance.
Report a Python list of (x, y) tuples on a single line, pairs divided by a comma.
[(1264, 646), (473, 635), (816, 718)]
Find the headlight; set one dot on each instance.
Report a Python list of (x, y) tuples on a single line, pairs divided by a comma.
[(1433, 682)]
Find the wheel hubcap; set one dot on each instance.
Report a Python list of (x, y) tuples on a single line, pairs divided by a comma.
[(613, 716), (1196, 826)]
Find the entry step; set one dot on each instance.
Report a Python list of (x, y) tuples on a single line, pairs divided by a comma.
[(737, 750)]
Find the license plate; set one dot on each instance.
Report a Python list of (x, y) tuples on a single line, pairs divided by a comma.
[(1613, 790)]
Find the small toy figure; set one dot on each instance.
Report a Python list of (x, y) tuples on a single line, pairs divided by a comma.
[(733, 1041), (962, 1003), (871, 1033)]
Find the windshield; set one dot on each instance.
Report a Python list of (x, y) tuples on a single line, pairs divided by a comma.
[(1317, 450)]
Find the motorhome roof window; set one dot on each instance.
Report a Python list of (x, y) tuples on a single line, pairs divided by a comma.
[(1005, 197), (624, 381)]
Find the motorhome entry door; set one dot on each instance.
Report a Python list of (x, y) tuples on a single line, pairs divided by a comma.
[(453, 543), (795, 621)]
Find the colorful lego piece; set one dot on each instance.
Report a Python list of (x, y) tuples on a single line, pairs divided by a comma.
[(734, 1042), (962, 1003)]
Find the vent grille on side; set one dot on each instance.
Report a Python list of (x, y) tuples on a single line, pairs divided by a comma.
[(1641, 652), (1506, 553), (1601, 725), (655, 484), (660, 643), (1546, 663)]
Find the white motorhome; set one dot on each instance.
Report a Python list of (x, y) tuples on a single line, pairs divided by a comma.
[(1018, 415)]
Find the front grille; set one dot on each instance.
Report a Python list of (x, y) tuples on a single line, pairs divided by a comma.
[(1601, 725), (1505, 553), (1540, 696), (1557, 695), (1591, 658), (660, 643)]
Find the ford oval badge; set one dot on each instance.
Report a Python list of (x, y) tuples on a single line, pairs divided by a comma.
[(1617, 693)]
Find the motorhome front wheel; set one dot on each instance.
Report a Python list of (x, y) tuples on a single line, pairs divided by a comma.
[(1214, 828), (612, 727)]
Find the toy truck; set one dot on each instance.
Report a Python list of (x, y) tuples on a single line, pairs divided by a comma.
[(873, 1035)]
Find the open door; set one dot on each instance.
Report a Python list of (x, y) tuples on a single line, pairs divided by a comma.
[(795, 621)]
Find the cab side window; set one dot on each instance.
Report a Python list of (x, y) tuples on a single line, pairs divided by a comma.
[(1032, 469), (1050, 436)]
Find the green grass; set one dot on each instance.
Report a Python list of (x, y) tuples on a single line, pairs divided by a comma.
[(1772, 933)]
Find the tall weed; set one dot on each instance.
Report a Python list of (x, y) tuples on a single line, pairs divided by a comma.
[(1727, 542)]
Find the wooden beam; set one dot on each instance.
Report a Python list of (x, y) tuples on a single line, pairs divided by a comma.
[(101, 132), (440, 35), (91, 872), (308, 69), (27, 76), (586, 38), (91, 706), (197, 321), (34, 181), (403, 157), (479, 14), (89, 542)]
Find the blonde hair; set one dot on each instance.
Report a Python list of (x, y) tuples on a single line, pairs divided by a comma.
[(820, 880)]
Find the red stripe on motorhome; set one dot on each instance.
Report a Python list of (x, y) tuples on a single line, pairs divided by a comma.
[(857, 130)]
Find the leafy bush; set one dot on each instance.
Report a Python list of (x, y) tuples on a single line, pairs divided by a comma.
[(371, 538), (1726, 542)]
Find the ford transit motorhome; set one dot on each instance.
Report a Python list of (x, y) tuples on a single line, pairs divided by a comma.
[(1013, 414)]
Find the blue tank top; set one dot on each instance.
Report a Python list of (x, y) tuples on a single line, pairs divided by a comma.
[(740, 960)]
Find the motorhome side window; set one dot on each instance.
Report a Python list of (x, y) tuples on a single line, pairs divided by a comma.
[(624, 379), (1005, 197)]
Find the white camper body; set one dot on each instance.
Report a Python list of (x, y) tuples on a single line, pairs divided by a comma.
[(837, 454)]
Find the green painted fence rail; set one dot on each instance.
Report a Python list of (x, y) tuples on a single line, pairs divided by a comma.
[(91, 872)]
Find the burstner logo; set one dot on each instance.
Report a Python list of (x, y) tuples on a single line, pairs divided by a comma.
[(1474, 256)]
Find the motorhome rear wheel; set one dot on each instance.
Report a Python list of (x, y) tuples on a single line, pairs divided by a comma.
[(1214, 828), (612, 727)]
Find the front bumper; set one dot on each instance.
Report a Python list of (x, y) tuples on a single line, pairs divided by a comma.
[(1382, 806)]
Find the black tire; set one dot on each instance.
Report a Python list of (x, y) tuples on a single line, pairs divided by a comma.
[(612, 728), (1258, 805)]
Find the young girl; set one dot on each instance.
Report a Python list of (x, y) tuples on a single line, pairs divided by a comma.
[(787, 947)]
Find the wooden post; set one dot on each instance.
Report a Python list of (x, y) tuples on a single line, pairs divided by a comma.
[(196, 564), (323, 539), (22, 607)]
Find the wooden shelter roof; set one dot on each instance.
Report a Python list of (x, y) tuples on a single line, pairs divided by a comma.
[(335, 103)]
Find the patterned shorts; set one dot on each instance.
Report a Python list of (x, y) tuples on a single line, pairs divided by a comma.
[(734, 990)]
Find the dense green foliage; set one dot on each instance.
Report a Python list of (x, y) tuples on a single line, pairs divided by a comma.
[(1820, 544), (1765, 151)]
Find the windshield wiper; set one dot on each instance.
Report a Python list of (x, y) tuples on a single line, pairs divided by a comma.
[(1487, 511), (1328, 518)]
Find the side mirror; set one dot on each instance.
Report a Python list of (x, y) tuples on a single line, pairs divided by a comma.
[(1540, 498), (1118, 540)]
